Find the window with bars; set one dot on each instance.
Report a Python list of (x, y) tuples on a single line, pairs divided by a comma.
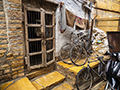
[(39, 32)]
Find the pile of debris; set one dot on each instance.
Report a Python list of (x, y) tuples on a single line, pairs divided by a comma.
[(100, 41)]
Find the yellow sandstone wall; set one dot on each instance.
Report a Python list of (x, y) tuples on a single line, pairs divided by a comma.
[(11, 41), (108, 21)]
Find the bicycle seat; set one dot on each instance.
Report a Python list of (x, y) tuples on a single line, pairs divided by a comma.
[(100, 57)]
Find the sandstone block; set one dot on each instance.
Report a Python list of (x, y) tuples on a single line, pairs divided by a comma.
[(14, 14), (2, 51)]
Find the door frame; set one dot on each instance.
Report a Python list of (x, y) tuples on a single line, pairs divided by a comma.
[(43, 45)]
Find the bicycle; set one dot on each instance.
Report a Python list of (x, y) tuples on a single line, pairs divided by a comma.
[(80, 52), (85, 76), (75, 38)]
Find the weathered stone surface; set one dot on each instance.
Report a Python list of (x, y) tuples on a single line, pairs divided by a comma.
[(15, 50), (2, 18), (20, 57), (16, 63), (3, 46), (4, 66), (2, 25), (15, 21), (15, 1), (14, 14), (15, 54), (2, 51), (3, 41), (7, 71), (15, 6), (21, 74), (3, 36), (3, 31), (36, 73), (4, 77), (15, 25), (1, 55), (19, 69), (15, 33), (16, 41), (19, 45), (10, 58), (15, 29), (2, 13), (21, 53)]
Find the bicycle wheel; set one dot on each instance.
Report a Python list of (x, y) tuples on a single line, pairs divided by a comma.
[(84, 79), (64, 53), (78, 55)]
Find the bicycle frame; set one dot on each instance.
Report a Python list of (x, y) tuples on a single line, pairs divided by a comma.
[(92, 70)]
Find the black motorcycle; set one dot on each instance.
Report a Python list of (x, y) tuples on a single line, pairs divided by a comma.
[(113, 71)]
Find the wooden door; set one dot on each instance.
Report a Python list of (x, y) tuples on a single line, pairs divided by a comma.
[(39, 36)]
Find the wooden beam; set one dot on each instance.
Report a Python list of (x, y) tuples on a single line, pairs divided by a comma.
[(35, 53), (33, 25), (106, 10), (39, 39)]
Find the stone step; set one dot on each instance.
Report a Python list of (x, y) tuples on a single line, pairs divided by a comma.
[(47, 81), (63, 86), (19, 84), (71, 71)]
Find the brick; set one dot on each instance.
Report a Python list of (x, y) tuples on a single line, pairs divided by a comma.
[(4, 67), (2, 13), (15, 29), (2, 18), (109, 5), (18, 69), (15, 6), (16, 41), (3, 46), (17, 63), (15, 25), (19, 45), (20, 57), (21, 74), (15, 21), (15, 50), (10, 58), (1, 7), (14, 14), (15, 33), (15, 54), (7, 71), (15, 1), (2, 31), (108, 23), (102, 4), (3, 36), (12, 46), (21, 53), (1, 55), (115, 6), (2, 25), (4, 77), (9, 54), (2, 51)]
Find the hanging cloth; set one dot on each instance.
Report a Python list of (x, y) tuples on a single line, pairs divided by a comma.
[(80, 22), (62, 18), (70, 18)]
